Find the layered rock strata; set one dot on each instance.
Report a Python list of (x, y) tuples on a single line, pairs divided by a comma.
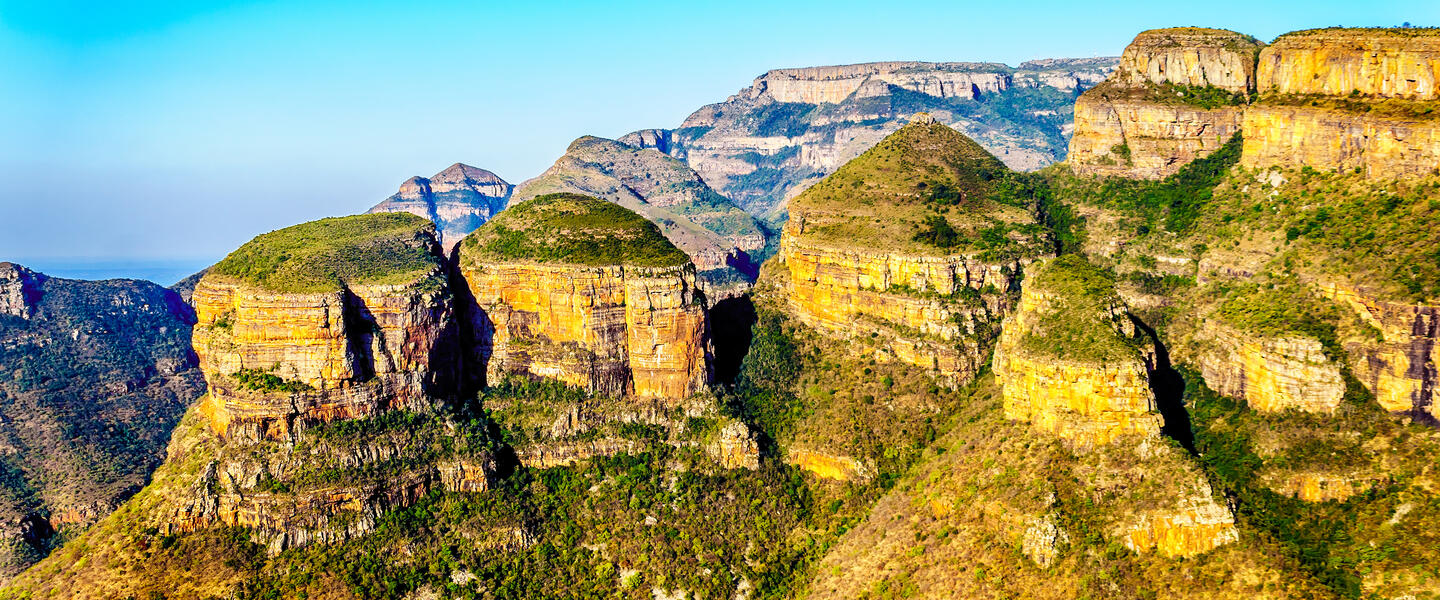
[(604, 322), (1347, 99), (1271, 374), (612, 330), (1402, 367), (1198, 525), (277, 360), (1138, 124), (457, 200)]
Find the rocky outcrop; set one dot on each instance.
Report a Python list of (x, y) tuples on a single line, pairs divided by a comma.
[(1133, 137), (605, 323), (457, 200), (1086, 391), (1191, 56), (792, 127), (1318, 486), (1199, 524), (18, 290), (828, 466), (1271, 374), (1140, 125), (1400, 368), (719, 237), (1380, 63), (278, 360)]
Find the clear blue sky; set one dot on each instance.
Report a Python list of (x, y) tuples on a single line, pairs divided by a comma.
[(181, 129)]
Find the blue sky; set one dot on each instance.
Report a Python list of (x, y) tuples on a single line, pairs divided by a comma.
[(179, 130)]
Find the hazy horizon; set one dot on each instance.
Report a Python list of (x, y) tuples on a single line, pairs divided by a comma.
[(146, 134)]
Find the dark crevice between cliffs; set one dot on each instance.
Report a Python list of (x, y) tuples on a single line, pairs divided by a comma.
[(1169, 388), (731, 321)]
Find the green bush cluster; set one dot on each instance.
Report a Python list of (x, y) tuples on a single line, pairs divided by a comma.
[(325, 255), (258, 380)]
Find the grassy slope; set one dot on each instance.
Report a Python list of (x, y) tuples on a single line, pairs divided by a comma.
[(954, 526), (321, 256), (571, 229), (883, 199)]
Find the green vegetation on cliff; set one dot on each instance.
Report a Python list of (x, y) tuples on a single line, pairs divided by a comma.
[(1083, 315), (325, 255), (571, 229)]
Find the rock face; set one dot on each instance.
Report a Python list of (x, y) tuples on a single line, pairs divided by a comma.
[(1339, 139), (360, 342), (1136, 126), (719, 237), (792, 127), (1271, 374), (619, 322), (1199, 524), (457, 200), (1383, 63), (1401, 367), (1193, 56), (848, 262), (93, 377), (1087, 399)]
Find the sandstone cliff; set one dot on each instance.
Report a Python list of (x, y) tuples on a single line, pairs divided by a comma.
[(1272, 374), (457, 200), (724, 242), (1176, 96), (587, 292), (792, 127), (335, 319), (1069, 359)]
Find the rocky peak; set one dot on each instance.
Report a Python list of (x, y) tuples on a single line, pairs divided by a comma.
[(333, 319), (19, 289), (457, 200)]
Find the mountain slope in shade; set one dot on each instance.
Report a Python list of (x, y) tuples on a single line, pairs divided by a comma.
[(458, 200), (93, 376), (792, 127), (722, 239)]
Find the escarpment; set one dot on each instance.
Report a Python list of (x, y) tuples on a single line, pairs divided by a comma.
[(587, 292), (334, 319), (792, 128), (915, 266), (1176, 96)]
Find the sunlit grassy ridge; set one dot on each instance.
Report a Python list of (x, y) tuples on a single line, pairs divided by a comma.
[(324, 255), (571, 229), (925, 189)]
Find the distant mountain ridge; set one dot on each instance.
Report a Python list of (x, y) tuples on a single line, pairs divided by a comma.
[(792, 127), (719, 237), (458, 200)]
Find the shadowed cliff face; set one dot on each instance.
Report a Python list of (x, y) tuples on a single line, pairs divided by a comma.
[(93, 376)]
